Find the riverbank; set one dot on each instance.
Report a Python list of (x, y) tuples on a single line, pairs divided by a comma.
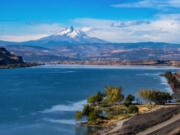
[(124, 62), (22, 65)]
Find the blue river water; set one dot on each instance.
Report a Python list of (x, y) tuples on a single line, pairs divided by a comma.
[(43, 100)]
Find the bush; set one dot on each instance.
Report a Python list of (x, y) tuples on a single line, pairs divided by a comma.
[(168, 75), (105, 102), (96, 99), (92, 99), (78, 115), (93, 116), (133, 109), (87, 110), (128, 100)]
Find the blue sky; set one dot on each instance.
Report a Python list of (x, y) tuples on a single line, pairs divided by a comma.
[(112, 20), (64, 10)]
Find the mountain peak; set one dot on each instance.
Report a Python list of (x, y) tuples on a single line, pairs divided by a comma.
[(71, 28), (69, 35), (71, 32)]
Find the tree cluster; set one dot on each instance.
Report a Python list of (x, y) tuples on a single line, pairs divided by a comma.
[(154, 96), (112, 102), (112, 96)]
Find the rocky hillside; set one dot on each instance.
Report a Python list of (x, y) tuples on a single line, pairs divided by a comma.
[(7, 58), (174, 82)]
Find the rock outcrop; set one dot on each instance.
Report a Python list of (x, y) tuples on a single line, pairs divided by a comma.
[(174, 82), (7, 58)]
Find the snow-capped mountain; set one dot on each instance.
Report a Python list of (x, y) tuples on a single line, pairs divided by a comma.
[(67, 36), (71, 33)]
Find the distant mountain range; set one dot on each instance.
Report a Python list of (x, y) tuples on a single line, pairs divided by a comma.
[(76, 45), (67, 36)]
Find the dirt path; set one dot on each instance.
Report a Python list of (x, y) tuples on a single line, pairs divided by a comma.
[(154, 130)]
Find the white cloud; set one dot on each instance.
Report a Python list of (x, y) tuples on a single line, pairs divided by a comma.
[(85, 29), (168, 16), (160, 30), (150, 4), (130, 23), (174, 3), (20, 38), (164, 28)]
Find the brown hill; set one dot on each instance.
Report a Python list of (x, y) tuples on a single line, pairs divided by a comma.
[(7, 58)]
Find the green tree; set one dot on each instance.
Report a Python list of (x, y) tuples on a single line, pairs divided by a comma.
[(99, 97), (161, 97), (96, 99), (155, 96), (93, 116), (145, 94), (133, 109), (114, 95), (89, 112), (87, 109), (92, 99), (78, 115), (168, 75), (128, 100)]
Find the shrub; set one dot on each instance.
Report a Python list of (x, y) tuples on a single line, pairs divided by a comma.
[(78, 115), (168, 75), (92, 99), (93, 116), (104, 102), (133, 109), (128, 100), (96, 99), (87, 110)]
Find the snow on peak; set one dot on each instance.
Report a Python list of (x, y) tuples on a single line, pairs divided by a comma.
[(71, 32)]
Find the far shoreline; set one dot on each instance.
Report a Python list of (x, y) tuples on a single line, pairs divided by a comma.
[(173, 63), (22, 65), (98, 66)]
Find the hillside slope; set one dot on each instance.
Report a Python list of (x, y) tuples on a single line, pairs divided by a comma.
[(7, 58)]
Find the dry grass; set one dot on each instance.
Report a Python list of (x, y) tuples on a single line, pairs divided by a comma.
[(148, 107)]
